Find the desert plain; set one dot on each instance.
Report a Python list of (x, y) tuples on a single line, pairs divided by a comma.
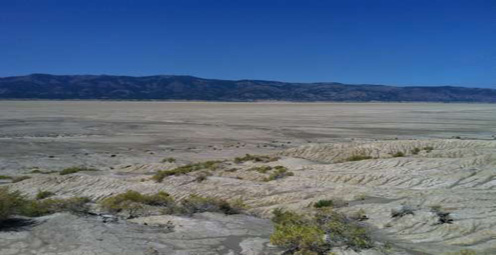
[(418, 156)]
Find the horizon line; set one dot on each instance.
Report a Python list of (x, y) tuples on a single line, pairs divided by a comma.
[(246, 79)]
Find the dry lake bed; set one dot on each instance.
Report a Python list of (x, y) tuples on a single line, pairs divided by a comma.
[(434, 163), (57, 134)]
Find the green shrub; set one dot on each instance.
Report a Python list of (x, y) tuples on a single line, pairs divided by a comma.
[(75, 169), (300, 239), (358, 158), (238, 204), (168, 160), (343, 231), (298, 235), (48, 206), (279, 173), (323, 203), (5, 177), (210, 165), (14, 179), (415, 151), (133, 201), (428, 148), (261, 169), (317, 234), (198, 204), (38, 171), (20, 178), (44, 194), (255, 158), (398, 154), (279, 216), (10, 203), (14, 203)]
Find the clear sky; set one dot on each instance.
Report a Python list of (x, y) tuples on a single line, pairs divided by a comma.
[(394, 42)]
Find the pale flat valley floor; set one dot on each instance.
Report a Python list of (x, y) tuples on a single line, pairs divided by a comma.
[(448, 161), (57, 134)]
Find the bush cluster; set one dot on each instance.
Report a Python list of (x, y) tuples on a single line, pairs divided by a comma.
[(210, 165), (358, 157), (255, 158), (323, 203), (199, 204), (38, 171), (398, 154), (13, 203), (75, 169), (20, 178), (10, 203), (35, 208), (415, 151), (317, 234), (14, 179), (279, 173), (261, 169), (5, 177), (168, 160), (134, 203), (44, 194), (428, 148)]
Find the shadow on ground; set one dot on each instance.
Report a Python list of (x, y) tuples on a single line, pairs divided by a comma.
[(16, 224)]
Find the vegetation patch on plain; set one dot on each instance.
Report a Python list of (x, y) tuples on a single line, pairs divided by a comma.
[(14, 203), (209, 165), (75, 169), (135, 204), (255, 158), (318, 234)]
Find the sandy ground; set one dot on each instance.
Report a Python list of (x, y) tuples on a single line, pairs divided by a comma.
[(58, 134), (127, 140)]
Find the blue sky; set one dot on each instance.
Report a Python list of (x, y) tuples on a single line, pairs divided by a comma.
[(396, 42)]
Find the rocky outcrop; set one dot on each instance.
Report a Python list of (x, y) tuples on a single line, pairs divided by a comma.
[(65, 234)]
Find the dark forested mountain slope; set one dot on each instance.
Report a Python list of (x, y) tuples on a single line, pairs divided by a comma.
[(171, 87)]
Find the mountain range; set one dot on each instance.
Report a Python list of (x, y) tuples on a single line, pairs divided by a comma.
[(177, 87)]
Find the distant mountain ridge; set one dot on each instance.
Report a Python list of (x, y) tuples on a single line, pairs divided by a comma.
[(176, 87)]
